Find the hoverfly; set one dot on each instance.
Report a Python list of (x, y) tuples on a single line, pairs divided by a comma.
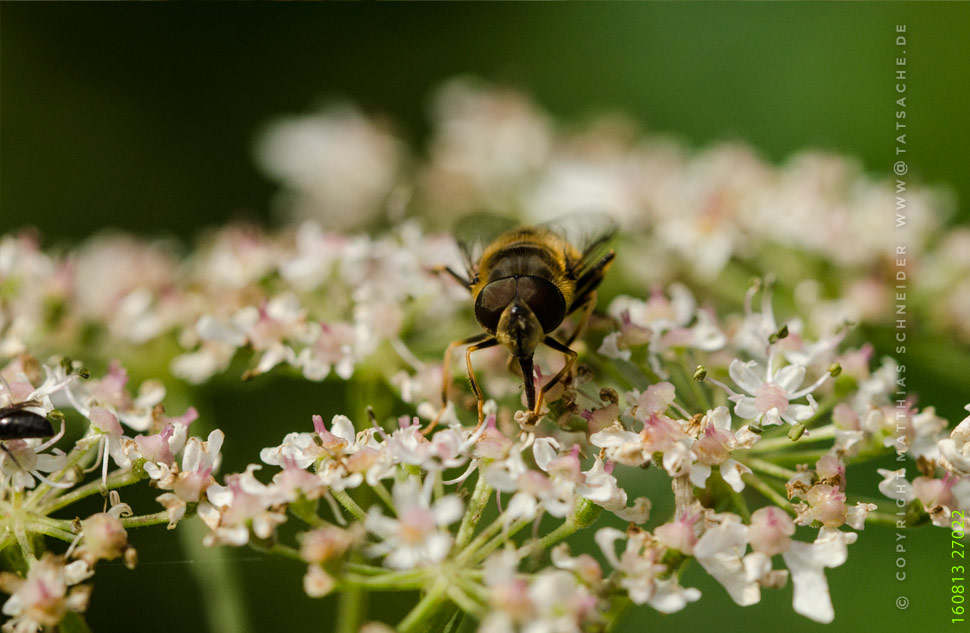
[(525, 280)]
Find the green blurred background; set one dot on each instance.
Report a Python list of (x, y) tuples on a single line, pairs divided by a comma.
[(141, 116)]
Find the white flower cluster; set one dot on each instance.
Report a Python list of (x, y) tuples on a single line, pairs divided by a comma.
[(714, 401), (730, 409), (710, 217), (684, 213), (317, 301), (127, 438), (705, 434)]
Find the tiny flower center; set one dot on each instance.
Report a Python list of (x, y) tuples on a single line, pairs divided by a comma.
[(414, 526), (770, 396)]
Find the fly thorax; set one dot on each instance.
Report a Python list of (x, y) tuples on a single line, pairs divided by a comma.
[(519, 330)]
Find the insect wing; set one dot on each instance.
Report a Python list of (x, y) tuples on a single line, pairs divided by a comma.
[(590, 234), (475, 232)]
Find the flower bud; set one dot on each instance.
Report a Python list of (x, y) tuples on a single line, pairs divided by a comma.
[(770, 531), (105, 538)]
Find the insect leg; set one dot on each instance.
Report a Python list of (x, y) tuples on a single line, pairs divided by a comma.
[(471, 374), (584, 320), (10, 455), (570, 360), (458, 276), (446, 374)]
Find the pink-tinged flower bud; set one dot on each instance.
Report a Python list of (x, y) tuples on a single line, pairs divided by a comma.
[(845, 418), (660, 433), (678, 534), (770, 530), (603, 417), (934, 492), (105, 538), (155, 448), (105, 421), (829, 466), (512, 598), (855, 363), (567, 467), (711, 448), (325, 544), (414, 525), (588, 570), (828, 505), (534, 483), (362, 460), (318, 583), (493, 444), (656, 399)]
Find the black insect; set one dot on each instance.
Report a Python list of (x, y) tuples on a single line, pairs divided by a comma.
[(17, 423)]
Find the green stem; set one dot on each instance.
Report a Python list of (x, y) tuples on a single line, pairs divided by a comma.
[(472, 588), (490, 546), (465, 602), (703, 403), (222, 593), (800, 457), (117, 479), (26, 547), (278, 549), (385, 496), (476, 507), (385, 578), (145, 520), (349, 504), (58, 524), (781, 432), (881, 518), (766, 467), (776, 443), (426, 608), (765, 489), (41, 528), (352, 607), (566, 529), (367, 570), (354, 582), (490, 530)]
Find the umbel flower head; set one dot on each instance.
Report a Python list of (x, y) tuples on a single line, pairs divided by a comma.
[(686, 386)]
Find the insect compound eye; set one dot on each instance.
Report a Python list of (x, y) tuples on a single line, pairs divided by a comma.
[(492, 301), (544, 299)]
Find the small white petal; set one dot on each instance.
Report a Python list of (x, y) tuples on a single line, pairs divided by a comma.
[(790, 377), (731, 471), (447, 510), (744, 376)]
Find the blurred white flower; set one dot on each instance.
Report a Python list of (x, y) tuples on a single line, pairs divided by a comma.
[(337, 166)]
